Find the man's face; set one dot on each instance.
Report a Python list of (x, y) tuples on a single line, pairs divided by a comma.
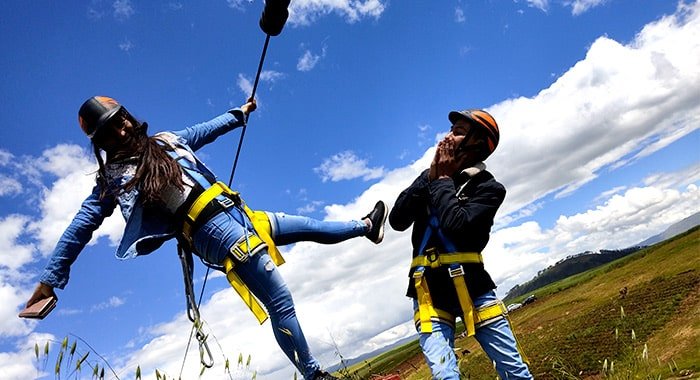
[(470, 141)]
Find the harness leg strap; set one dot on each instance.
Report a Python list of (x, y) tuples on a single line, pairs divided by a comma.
[(465, 301), (426, 311), (242, 289)]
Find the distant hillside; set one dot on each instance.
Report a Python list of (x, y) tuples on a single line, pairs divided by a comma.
[(674, 229), (587, 260), (568, 267)]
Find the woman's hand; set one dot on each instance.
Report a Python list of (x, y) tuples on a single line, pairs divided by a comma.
[(249, 107), (42, 291)]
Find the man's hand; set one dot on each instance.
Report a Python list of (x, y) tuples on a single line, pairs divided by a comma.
[(447, 161)]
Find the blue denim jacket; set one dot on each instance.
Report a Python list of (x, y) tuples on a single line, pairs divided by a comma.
[(147, 228)]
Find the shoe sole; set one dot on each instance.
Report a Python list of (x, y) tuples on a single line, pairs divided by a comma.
[(380, 236)]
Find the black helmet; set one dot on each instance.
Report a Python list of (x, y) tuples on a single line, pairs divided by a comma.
[(96, 112)]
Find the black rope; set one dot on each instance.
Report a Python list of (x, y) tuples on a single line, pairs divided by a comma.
[(252, 96)]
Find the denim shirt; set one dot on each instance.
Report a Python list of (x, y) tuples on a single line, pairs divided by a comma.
[(147, 228)]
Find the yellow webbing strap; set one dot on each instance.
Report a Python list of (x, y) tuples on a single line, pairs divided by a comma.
[(261, 224), (446, 259), (425, 306), (243, 291), (442, 316), (487, 312), (426, 311), (465, 302), (201, 202)]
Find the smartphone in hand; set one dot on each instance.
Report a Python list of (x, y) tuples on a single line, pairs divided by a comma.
[(40, 309)]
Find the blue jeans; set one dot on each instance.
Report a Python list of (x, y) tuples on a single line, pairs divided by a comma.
[(213, 240), (496, 339)]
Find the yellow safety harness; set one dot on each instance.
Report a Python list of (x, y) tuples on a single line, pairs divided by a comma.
[(431, 258), (427, 313), (249, 244)]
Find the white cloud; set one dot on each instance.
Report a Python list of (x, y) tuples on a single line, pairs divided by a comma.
[(309, 207), (126, 45), (112, 302), (235, 4), (123, 9), (5, 157), (9, 186), (12, 231), (620, 103), (21, 364), (245, 84), (307, 61), (304, 12), (542, 5), (459, 15), (515, 254), (175, 5), (580, 6), (75, 168), (346, 165), (13, 298)]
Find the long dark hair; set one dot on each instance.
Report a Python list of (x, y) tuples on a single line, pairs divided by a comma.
[(156, 170)]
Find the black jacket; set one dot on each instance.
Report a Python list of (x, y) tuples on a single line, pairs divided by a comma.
[(465, 219)]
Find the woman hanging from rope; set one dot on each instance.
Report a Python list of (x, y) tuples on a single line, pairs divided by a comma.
[(164, 191)]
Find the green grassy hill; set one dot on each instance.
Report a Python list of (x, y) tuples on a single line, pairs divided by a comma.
[(581, 328)]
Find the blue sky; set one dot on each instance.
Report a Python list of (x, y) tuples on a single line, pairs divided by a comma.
[(597, 103)]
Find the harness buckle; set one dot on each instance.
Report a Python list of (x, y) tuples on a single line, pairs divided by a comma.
[(226, 202), (240, 249), (418, 273), (456, 271), (431, 254)]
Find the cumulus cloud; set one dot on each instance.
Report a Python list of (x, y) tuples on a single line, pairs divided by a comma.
[(20, 365), (514, 254), (346, 165), (620, 103), (75, 169), (304, 12)]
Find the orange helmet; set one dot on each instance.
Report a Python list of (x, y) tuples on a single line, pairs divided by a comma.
[(484, 122), (96, 112)]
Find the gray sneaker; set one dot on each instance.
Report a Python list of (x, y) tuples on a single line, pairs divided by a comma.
[(377, 217)]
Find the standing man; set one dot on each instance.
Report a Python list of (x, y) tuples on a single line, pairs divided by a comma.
[(452, 206)]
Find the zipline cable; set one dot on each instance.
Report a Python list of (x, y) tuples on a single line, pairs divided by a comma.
[(252, 96)]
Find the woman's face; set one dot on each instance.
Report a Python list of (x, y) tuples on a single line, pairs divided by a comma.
[(112, 137)]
